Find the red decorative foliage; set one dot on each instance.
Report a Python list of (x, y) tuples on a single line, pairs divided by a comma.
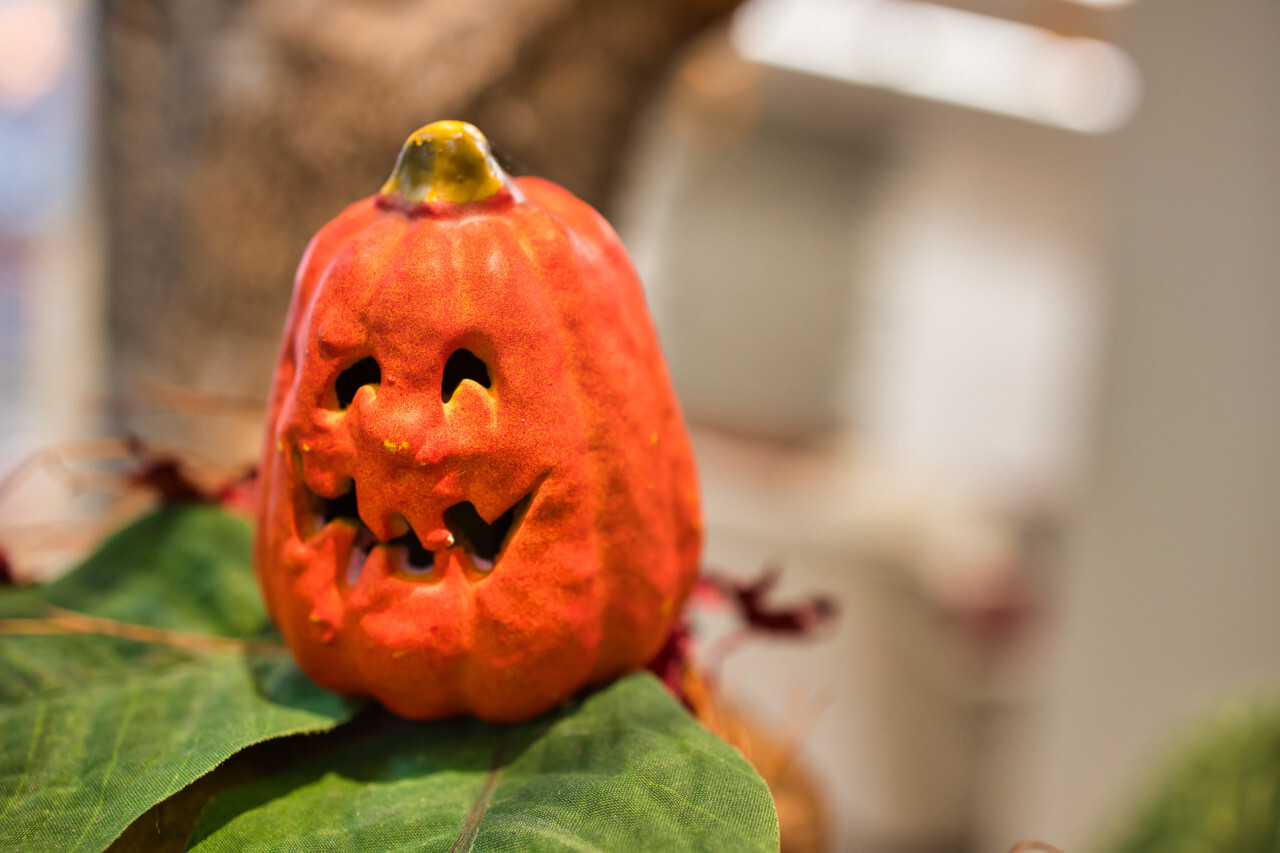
[(759, 615), (241, 494), (165, 476), (673, 661), (169, 477)]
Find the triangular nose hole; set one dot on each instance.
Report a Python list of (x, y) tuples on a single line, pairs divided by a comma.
[(364, 372), (463, 364)]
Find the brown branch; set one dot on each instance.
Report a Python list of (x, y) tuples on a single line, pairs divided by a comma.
[(53, 459), (1023, 846), (169, 396), (68, 622)]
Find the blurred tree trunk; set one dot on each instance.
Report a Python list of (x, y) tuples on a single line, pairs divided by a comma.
[(233, 129)]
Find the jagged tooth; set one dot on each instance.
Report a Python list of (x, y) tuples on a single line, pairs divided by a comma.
[(437, 540), (381, 529), (427, 523), (489, 505), (397, 526)]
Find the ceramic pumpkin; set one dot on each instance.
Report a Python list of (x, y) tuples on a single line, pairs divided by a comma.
[(477, 494)]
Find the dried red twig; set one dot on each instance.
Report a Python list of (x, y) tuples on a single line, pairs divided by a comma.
[(672, 663), (240, 494), (166, 474), (167, 397), (1023, 846), (760, 615), (54, 460), (68, 622), (128, 470)]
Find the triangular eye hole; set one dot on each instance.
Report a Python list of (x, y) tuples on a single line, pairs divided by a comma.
[(364, 372), (463, 364)]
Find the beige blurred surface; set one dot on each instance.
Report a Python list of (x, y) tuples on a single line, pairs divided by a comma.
[(1168, 600), (911, 336)]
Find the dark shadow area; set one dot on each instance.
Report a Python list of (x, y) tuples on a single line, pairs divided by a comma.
[(364, 372), (375, 748), (463, 364), (482, 539)]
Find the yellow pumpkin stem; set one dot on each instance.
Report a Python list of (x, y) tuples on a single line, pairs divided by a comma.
[(445, 161)]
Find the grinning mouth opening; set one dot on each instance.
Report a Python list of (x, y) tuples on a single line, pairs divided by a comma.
[(483, 542)]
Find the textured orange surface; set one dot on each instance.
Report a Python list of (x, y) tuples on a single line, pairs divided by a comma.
[(579, 418)]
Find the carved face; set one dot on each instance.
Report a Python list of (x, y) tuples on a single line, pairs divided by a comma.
[(477, 494)]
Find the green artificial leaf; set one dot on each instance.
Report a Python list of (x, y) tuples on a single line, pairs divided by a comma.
[(185, 569), (22, 602), (1218, 793), (116, 724), (96, 729), (624, 769)]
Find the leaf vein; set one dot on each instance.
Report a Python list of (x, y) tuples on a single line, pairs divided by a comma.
[(36, 730), (467, 837), (127, 717)]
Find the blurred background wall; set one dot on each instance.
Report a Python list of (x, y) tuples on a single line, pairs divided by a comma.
[(1168, 592), (972, 307), (232, 131), (53, 348)]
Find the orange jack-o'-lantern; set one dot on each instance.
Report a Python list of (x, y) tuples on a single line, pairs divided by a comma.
[(478, 494)]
